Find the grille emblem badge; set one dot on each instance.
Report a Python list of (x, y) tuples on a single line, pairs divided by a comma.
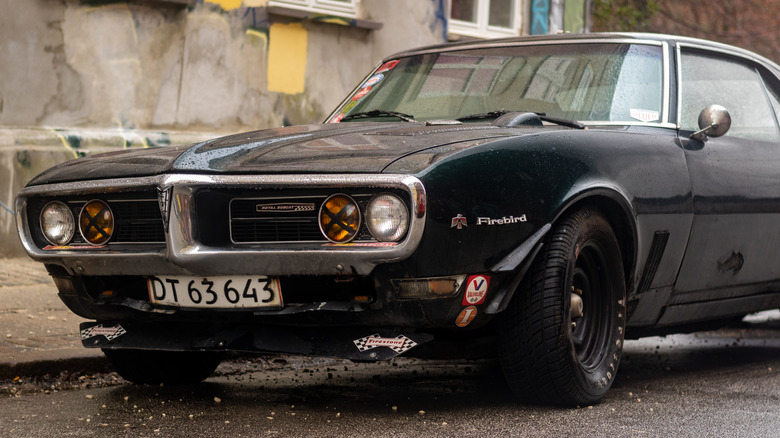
[(285, 207)]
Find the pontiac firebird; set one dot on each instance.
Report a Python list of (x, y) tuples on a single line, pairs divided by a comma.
[(538, 199)]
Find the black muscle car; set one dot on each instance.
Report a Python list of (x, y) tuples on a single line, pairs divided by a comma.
[(536, 198)]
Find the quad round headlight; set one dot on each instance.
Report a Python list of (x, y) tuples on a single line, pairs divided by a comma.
[(96, 222), (57, 223), (387, 217), (340, 218)]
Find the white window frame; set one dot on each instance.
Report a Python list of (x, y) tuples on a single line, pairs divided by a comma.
[(481, 29), (350, 9)]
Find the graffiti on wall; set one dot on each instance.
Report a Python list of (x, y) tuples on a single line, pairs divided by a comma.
[(540, 15), (555, 15)]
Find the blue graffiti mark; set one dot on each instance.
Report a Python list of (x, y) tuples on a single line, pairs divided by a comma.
[(264, 21), (7, 208), (440, 16), (540, 13)]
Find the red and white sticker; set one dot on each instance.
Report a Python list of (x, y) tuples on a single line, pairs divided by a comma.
[(389, 65), (644, 115), (476, 290), (399, 344), (363, 91), (373, 80), (110, 333), (466, 316)]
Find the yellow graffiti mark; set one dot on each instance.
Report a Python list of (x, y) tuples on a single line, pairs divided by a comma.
[(65, 143), (287, 52), (258, 34), (127, 138), (226, 4), (332, 20), (123, 8)]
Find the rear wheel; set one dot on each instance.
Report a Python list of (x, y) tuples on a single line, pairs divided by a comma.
[(156, 366), (562, 335)]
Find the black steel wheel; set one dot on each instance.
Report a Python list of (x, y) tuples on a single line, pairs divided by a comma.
[(562, 335), (169, 367)]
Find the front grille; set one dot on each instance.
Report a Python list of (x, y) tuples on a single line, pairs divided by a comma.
[(250, 224), (137, 218), (136, 221), (247, 224)]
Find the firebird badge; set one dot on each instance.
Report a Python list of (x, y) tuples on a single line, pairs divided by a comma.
[(399, 344), (110, 333), (284, 207), (459, 221)]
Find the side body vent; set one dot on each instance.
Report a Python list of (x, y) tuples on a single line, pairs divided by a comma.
[(657, 248)]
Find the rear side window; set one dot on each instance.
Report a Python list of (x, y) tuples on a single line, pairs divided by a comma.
[(708, 79)]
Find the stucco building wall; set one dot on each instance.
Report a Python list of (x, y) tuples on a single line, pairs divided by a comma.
[(80, 77)]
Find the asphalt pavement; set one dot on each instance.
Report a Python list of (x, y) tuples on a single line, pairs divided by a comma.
[(38, 334)]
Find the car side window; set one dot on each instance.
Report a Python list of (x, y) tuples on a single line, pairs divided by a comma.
[(708, 79), (773, 89)]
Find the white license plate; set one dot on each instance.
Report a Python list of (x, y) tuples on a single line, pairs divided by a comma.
[(220, 292)]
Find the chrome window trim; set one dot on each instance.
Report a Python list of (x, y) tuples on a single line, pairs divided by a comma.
[(665, 75), (716, 49)]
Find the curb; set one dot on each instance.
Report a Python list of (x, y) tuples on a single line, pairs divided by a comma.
[(52, 367)]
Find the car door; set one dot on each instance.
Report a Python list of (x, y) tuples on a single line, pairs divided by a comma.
[(734, 245)]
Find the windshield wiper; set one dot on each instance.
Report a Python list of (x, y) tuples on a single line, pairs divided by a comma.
[(487, 115), (380, 113), (542, 116)]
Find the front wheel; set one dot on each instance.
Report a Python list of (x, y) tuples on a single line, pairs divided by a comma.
[(562, 335), (157, 366)]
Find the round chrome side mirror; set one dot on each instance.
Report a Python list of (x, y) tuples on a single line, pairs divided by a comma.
[(714, 121)]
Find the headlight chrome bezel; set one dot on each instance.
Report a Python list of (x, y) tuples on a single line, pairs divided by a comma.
[(66, 219), (386, 227)]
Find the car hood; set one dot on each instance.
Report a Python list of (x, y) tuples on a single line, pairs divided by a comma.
[(331, 148)]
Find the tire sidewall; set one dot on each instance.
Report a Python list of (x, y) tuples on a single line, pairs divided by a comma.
[(594, 232)]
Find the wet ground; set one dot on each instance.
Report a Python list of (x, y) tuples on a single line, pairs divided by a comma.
[(720, 383)]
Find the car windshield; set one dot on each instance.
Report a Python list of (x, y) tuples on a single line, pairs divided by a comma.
[(586, 82)]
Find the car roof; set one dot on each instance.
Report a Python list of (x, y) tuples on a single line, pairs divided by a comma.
[(578, 38)]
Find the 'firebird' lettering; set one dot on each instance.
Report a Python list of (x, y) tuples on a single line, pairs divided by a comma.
[(503, 221)]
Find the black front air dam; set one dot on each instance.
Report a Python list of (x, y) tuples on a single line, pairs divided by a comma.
[(360, 344)]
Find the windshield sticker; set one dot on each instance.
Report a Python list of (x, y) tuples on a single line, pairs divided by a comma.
[(349, 107), (363, 91), (644, 115), (337, 118), (389, 65), (374, 80)]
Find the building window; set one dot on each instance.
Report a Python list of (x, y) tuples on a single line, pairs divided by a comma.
[(341, 8), (485, 18)]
